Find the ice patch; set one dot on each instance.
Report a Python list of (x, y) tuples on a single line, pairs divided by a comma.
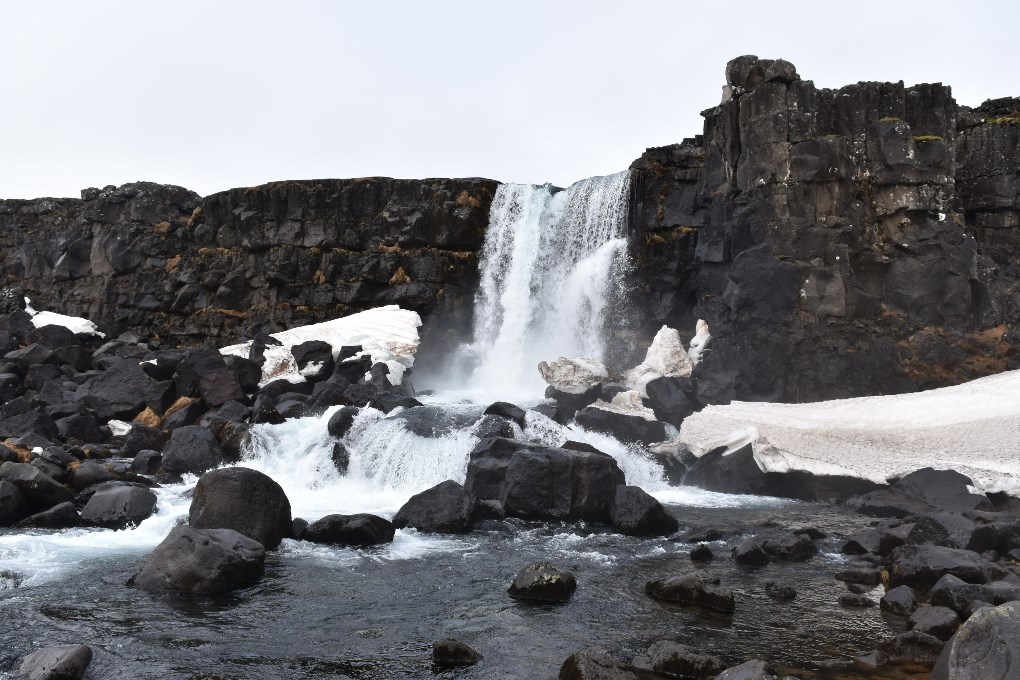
[(973, 428), (74, 324), (665, 358), (573, 376)]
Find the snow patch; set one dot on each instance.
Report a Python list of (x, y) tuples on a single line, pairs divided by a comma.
[(665, 358), (700, 339), (973, 428), (625, 409), (574, 376), (386, 334), (75, 324), (118, 428)]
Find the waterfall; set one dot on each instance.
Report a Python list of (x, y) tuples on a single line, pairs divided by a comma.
[(552, 261)]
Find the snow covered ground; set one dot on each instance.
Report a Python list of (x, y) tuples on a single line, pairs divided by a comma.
[(973, 428), (73, 323), (387, 334)]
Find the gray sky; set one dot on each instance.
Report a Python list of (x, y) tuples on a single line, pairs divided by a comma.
[(213, 95)]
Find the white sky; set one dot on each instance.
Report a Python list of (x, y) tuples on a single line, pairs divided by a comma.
[(213, 95)]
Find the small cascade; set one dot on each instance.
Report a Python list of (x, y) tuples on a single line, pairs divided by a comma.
[(552, 263)]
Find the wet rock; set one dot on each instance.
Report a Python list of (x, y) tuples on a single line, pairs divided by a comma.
[(507, 410), (542, 582), (901, 600), (940, 622), (750, 553), (244, 500), (694, 588), (234, 439), (860, 572), (89, 474), (676, 660), (445, 508), (341, 421), (635, 513), (594, 664), (958, 595), (62, 516), (147, 462), (202, 561), (361, 530), (701, 553), (791, 548), (314, 359), (81, 426), (117, 392), (204, 373), (191, 449), (14, 504), (56, 663), (625, 427), (41, 491), (862, 542), (494, 426), (921, 566), (986, 647), (116, 506), (946, 490), (756, 669), (945, 529), (297, 529), (340, 457), (450, 653), (778, 591), (856, 600), (912, 650)]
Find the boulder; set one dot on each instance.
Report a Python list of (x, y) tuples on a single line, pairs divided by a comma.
[(450, 653), (507, 410), (671, 399), (676, 660), (41, 491), (360, 530), (147, 462), (856, 600), (56, 663), (141, 437), (542, 582), (701, 553), (244, 500), (940, 622), (89, 474), (494, 426), (901, 600), (341, 421), (986, 647), (117, 392), (14, 505), (862, 542), (791, 548), (594, 664), (445, 508), (204, 373), (756, 669), (61, 516), (430, 420), (750, 553), (778, 591), (314, 359), (943, 528), (191, 449), (913, 651), (958, 595), (921, 566), (116, 506), (628, 424), (201, 561), (635, 513), (694, 588), (945, 490)]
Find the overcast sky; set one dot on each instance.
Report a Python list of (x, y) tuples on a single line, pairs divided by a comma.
[(213, 95)]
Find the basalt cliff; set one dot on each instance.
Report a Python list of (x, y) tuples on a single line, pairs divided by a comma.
[(843, 242)]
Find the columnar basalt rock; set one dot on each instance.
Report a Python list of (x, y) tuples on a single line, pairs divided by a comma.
[(838, 242)]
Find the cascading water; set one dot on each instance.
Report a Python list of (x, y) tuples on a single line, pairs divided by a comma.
[(552, 261)]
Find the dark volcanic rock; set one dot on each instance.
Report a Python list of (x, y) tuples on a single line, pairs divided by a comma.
[(756, 669), (202, 561), (792, 548), (635, 513), (41, 491), (450, 653), (360, 530), (701, 553), (675, 660), (191, 449), (341, 421), (626, 428), (958, 595), (147, 462), (62, 516), (506, 410), (244, 500), (116, 506), (14, 505), (913, 650), (921, 566), (900, 600), (940, 622), (445, 508), (987, 647), (542, 582), (778, 591), (694, 588), (750, 553), (56, 663), (594, 664)]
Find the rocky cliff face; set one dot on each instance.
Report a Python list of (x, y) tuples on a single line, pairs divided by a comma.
[(162, 260), (839, 242)]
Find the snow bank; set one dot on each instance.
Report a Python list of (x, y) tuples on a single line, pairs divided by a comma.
[(973, 428), (698, 342), (387, 334), (574, 376), (666, 357), (72, 323), (626, 404)]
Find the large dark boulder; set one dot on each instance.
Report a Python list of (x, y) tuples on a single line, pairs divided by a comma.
[(750, 553), (694, 588), (672, 659), (61, 516), (116, 506), (191, 449), (141, 437), (671, 399), (534, 482), (89, 474), (204, 373), (923, 491), (361, 530), (314, 359), (202, 561), (542, 582), (986, 647), (791, 548), (958, 595), (56, 663), (921, 566), (626, 428), (244, 500), (341, 421), (901, 600), (635, 513), (507, 410), (14, 505), (117, 392), (594, 664), (445, 508), (940, 622), (450, 653), (41, 491)]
